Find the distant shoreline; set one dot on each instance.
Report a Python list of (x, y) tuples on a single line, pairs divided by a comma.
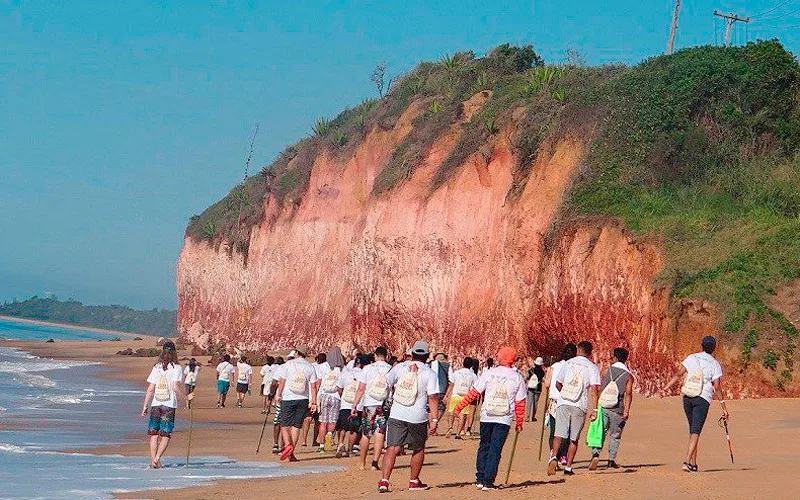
[(76, 327)]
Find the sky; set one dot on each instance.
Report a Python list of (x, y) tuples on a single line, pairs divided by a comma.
[(120, 120)]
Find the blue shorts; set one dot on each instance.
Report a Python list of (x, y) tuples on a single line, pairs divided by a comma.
[(162, 421), (223, 386)]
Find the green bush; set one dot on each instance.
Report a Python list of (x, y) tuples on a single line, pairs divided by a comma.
[(770, 360)]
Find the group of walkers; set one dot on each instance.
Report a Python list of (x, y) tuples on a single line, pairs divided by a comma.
[(396, 404)]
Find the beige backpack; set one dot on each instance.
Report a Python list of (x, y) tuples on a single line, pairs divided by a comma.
[(350, 391), (298, 382), (329, 382), (378, 388), (406, 388), (693, 385), (163, 392), (572, 388), (496, 402), (462, 386), (609, 398)]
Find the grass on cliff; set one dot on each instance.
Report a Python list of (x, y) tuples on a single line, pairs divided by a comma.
[(700, 149)]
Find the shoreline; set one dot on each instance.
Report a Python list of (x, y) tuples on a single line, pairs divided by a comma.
[(651, 452), (70, 326)]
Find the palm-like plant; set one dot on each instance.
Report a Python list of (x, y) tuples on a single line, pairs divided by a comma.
[(321, 126)]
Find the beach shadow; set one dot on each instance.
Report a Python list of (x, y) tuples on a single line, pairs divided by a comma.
[(584, 465), (426, 464), (732, 469), (531, 482), (441, 452), (455, 485)]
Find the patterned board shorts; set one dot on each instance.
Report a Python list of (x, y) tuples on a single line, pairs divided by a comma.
[(276, 420), (162, 421), (328, 408), (373, 419)]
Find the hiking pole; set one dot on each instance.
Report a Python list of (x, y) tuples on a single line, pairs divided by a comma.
[(511, 458), (191, 420), (544, 419), (266, 416), (723, 422)]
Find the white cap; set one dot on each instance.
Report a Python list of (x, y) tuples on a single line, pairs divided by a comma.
[(538, 361)]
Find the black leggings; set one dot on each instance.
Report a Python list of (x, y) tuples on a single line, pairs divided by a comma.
[(696, 410)]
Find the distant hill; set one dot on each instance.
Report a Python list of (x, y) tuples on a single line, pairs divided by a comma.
[(113, 317)]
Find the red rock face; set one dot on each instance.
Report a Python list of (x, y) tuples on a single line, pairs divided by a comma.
[(464, 267)]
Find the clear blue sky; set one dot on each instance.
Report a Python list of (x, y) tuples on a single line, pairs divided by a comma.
[(119, 120)]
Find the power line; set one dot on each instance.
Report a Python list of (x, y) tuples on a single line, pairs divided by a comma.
[(730, 20), (773, 9), (772, 18)]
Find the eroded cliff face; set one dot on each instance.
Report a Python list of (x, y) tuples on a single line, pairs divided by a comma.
[(466, 266)]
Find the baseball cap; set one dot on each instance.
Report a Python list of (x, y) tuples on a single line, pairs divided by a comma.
[(301, 349), (538, 361), (506, 355), (420, 347)]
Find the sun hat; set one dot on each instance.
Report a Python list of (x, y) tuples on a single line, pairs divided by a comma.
[(301, 349), (420, 347)]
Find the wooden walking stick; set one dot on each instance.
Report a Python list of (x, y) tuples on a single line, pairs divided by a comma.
[(511, 458), (723, 422), (191, 420), (266, 416), (544, 419)]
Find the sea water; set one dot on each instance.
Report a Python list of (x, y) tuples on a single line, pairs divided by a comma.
[(53, 410)]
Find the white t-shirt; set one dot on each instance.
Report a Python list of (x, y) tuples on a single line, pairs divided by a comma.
[(172, 375), (346, 377), (555, 370), (190, 377), (516, 388), (278, 373), (245, 371), (465, 374), (426, 385), (266, 374), (711, 371), (367, 375), (288, 370), (225, 371), (591, 376)]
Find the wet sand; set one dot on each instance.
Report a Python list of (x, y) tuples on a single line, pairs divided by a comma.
[(765, 432)]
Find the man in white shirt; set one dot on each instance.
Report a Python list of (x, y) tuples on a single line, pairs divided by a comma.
[(615, 416), (703, 376), (373, 391), (224, 376), (505, 393), (578, 383), (297, 394), (244, 373), (266, 380), (461, 381), (415, 390), (348, 425), (549, 388)]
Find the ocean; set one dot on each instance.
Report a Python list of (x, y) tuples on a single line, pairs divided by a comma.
[(51, 410)]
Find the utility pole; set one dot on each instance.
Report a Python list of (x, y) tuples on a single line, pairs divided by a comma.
[(674, 28), (729, 20)]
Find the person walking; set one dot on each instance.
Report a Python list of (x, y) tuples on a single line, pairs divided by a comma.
[(349, 422), (549, 387), (296, 395), (505, 393), (373, 394), (578, 383), (702, 376), (616, 402), (244, 373), (329, 398), (441, 367), (224, 376), (161, 399), (273, 391), (415, 389), (190, 374), (266, 382), (535, 377), (319, 365), (462, 381)]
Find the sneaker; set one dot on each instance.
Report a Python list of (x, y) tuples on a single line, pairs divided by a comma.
[(568, 471), (490, 487), (375, 465), (562, 461), (686, 467), (458, 436), (383, 486), (321, 449), (219, 405), (275, 449), (356, 448), (469, 433), (417, 485), (595, 462), (552, 465), (613, 465), (479, 485)]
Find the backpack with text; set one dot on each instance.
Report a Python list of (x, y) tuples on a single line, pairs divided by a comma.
[(693, 385), (609, 397), (330, 380), (407, 387), (463, 385), (378, 388), (496, 401), (298, 382), (572, 388), (350, 391), (163, 392)]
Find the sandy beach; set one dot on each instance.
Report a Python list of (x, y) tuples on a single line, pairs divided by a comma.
[(765, 435)]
